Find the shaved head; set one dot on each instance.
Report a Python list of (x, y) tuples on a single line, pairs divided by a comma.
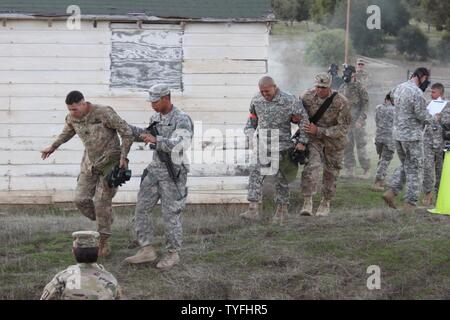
[(266, 82), (268, 88)]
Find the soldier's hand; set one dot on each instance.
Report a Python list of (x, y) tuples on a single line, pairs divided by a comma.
[(358, 125), (438, 117), (47, 152), (148, 138), (311, 129), (300, 147), (123, 163)]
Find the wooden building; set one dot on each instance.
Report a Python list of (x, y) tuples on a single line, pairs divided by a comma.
[(210, 52)]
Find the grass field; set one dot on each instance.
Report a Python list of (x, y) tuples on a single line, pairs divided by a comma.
[(225, 258)]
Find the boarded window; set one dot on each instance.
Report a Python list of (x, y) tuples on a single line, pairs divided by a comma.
[(144, 57)]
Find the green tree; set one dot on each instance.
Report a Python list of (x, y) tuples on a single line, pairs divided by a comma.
[(443, 48), (323, 10), (413, 43), (327, 47), (285, 9)]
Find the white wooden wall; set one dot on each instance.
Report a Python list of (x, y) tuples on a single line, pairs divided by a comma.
[(39, 65)]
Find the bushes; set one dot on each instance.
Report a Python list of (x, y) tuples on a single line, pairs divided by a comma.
[(413, 43), (443, 48), (327, 47)]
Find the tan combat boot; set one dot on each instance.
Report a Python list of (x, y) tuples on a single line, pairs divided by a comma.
[(307, 207), (349, 173), (324, 208), (378, 185), (103, 248), (252, 213), (168, 261), (408, 208), (428, 200), (389, 198), (365, 175), (144, 255), (280, 214)]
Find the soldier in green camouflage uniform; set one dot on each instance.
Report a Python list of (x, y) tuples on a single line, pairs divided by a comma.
[(384, 141), (271, 113), (358, 100), (98, 128), (86, 280), (175, 130), (327, 142), (409, 118), (433, 147)]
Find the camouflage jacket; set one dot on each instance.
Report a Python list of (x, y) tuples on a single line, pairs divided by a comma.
[(384, 120), (410, 112), (277, 115), (83, 281), (433, 134), (176, 130), (445, 117), (363, 77), (98, 132), (335, 123), (358, 100)]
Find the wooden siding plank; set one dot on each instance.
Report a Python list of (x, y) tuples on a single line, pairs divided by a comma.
[(234, 53), (55, 36), (55, 50), (226, 28), (224, 66), (225, 40), (54, 64), (55, 77), (222, 80), (50, 90), (42, 25)]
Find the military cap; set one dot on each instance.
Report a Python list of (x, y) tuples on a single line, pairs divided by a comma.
[(323, 80), (85, 239), (360, 61), (157, 92)]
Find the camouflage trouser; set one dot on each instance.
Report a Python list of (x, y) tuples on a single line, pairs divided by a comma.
[(433, 161), (256, 181), (386, 154), (330, 159), (94, 186), (356, 137), (410, 172), (151, 190)]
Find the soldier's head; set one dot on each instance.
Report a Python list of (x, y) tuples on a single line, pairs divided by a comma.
[(437, 91), (267, 88), (323, 85), (421, 78), (76, 104), (85, 246), (388, 99), (360, 64), (159, 97)]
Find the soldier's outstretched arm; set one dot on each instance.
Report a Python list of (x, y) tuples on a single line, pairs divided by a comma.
[(420, 110), (183, 133), (67, 134), (114, 121), (53, 289), (299, 110)]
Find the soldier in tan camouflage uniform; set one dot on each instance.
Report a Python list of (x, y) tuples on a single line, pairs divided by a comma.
[(327, 142), (384, 140), (362, 76), (433, 147), (271, 112), (409, 118), (175, 129), (98, 128), (358, 101), (86, 280)]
